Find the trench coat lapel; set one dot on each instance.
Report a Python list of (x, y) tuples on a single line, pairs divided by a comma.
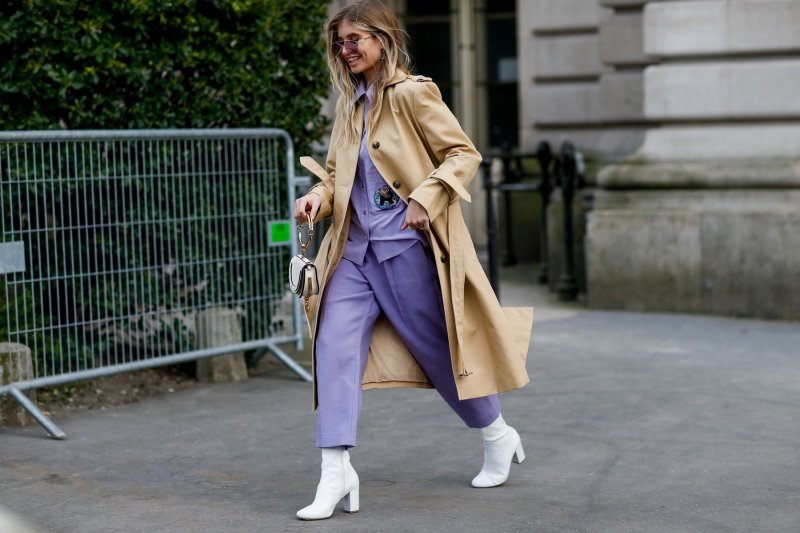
[(346, 166), (347, 157)]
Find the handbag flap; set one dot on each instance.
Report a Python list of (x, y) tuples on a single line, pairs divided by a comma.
[(296, 276)]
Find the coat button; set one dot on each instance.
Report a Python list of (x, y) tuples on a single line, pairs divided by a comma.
[(396, 184), (376, 145), (443, 258)]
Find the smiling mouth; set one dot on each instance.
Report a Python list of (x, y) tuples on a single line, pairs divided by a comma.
[(353, 60)]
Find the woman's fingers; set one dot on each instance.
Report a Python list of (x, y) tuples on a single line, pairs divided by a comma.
[(416, 222), (299, 209), (307, 205), (416, 216), (419, 224), (315, 202)]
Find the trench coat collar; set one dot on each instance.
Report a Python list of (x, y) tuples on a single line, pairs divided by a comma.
[(398, 76), (361, 89)]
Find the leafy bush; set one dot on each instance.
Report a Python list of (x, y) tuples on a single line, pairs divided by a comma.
[(163, 64), (146, 64)]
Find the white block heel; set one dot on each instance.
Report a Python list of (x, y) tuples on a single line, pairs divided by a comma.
[(519, 454), (351, 502)]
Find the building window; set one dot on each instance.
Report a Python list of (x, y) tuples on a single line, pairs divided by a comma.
[(421, 8), (492, 94), (428, 24), (501, 75)]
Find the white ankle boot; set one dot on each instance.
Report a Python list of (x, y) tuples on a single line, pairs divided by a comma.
[(338, 480), (501, 445)]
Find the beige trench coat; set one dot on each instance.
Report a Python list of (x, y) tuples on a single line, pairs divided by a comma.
[(421, 151)]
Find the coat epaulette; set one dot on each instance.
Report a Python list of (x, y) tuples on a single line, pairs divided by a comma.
[(417, 77)]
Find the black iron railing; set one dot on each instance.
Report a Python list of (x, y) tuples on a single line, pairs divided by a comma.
[(563, 170)]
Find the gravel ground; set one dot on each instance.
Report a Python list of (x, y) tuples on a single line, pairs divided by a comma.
[(112, 391)]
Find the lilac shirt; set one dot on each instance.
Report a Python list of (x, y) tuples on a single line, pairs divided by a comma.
[(377, 211)]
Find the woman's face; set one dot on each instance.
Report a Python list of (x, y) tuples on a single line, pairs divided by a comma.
[(366, 57)]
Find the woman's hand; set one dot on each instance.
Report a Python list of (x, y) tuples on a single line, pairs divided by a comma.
[(416, 216), (308, 204)]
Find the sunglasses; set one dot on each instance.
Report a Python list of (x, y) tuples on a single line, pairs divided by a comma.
[(351, 45)]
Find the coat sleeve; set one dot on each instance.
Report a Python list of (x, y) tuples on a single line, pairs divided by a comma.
[(457, 158)]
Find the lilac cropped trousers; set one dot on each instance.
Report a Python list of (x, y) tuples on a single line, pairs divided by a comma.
[(406, 289)]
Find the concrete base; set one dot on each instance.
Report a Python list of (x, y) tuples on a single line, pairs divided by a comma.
[(15, 366), (730, 252), (218, 327)]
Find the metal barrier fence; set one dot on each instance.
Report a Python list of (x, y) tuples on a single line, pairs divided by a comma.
[(112, 242)]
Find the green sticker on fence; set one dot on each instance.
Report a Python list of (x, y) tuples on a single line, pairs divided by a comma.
[(280, 232)]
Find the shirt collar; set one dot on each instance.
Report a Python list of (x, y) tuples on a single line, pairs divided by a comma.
[(362, 90)]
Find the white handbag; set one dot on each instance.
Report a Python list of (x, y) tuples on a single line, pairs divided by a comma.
[(303, 276), (302, 273)]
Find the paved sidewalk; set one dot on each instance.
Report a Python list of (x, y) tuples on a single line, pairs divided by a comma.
[(633, 422)]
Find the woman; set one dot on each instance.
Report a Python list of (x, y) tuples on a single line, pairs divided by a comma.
[(403, 301)]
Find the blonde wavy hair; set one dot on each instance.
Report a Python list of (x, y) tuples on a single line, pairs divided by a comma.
[(374, 18)]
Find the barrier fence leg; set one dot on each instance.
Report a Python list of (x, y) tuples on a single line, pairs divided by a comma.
[(48, 425), (284, 358)]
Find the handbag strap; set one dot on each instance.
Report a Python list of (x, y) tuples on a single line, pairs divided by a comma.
[(310, 234), (303, 248)]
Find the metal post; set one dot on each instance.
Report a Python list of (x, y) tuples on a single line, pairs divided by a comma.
[(491, 227), (567, 286), (509, 176), (545, 157)]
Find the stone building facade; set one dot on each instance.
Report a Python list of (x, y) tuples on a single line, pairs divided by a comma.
[(691, 111), (703, 214)]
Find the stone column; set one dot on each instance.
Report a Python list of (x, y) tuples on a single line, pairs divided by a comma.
[(15, 366), (464, 41), (705, 216)]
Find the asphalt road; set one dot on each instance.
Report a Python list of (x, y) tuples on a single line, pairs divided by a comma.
[(633, 422)]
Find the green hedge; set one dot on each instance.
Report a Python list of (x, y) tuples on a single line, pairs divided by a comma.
[(163, 64), (144, 64)]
